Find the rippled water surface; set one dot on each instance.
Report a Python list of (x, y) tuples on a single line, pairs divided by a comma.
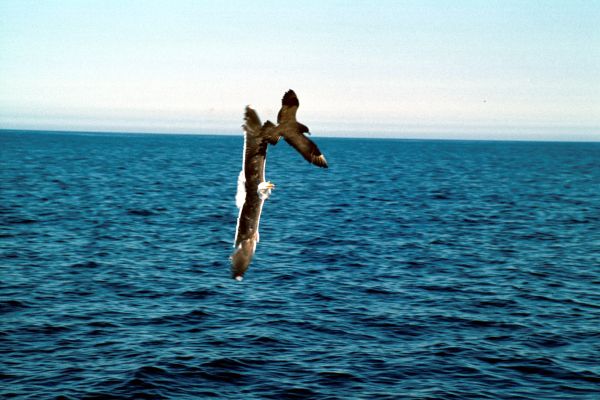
[(409, 269)]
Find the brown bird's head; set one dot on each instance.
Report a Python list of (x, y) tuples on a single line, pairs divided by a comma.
[(303, 128)]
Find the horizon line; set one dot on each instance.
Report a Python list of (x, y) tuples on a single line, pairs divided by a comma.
[(375, 136)]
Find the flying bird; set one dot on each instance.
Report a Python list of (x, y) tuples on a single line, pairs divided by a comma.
[(293, 131), (252, 189)]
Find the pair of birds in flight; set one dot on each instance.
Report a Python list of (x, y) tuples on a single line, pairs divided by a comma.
[(252, 188)]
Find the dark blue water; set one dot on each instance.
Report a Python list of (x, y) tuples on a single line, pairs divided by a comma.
[(409, 269)]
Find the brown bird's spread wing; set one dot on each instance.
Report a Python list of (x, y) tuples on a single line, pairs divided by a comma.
[(306, 147), (289, 106)]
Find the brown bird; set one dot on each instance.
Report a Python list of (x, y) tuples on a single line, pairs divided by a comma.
[(293, 131)]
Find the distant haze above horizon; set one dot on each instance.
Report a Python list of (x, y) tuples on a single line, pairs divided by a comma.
[(407, 69)]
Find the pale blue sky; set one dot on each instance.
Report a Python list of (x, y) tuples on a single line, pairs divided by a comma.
[(457, 69)]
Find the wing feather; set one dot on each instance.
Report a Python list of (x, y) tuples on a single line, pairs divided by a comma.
[(306, 147), (289, 106)]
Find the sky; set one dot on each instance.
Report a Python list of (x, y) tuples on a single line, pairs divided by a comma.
[(408, 69)]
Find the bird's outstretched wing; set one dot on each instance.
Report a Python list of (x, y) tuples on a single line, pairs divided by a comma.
[(306, 147), (289, 106)]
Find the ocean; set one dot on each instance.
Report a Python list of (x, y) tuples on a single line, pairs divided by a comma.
[(408, 270)]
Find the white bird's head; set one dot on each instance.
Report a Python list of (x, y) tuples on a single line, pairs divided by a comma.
[(264, 190)]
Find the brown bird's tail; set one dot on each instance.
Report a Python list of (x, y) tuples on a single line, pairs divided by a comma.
[(270, 133)]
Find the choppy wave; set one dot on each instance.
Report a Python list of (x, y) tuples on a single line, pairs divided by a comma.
[(409, 269)]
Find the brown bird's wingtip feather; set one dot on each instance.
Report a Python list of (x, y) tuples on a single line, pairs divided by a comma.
[(322, 161), (290, 99)]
